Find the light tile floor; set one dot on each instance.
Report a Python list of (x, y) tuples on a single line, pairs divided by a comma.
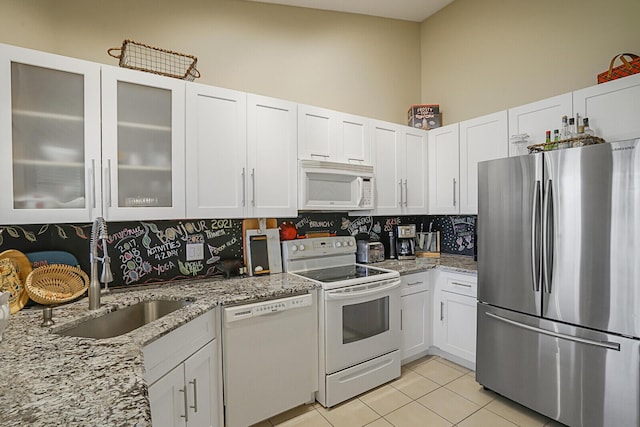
[(431, 392)]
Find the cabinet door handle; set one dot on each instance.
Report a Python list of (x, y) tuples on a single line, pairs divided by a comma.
[(414, 283), (253, 185), (401, 328), (454, 191), (400, 184), (195, 396), (406, 193), (244, 188), (466, 285), (107, 183), (441, 310), (92, 181), (186, 405)]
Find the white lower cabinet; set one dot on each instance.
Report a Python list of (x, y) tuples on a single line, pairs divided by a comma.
[(186, 396), (415, 315), (454, 317), (184, 376)]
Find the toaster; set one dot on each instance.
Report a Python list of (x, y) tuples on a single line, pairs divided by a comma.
[(369, 252)]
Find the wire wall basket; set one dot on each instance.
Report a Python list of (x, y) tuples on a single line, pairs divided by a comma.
[(142, 57)]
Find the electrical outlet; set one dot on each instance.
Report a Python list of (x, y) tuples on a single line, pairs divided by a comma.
[(195, 251)]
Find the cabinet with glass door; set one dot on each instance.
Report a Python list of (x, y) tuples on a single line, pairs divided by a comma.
[(142, 145), (50, 127)]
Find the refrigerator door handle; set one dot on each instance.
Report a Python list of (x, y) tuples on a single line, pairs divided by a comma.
[(535, 238), (547, 237), (604, 344)]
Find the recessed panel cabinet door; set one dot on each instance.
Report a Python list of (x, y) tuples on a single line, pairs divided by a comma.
[(201, 381), (50, 138), (482, 138), (612, 108), (216, 152), (167, 400), (416, 176), (272, 147), (535, 119), (444, 170), (389, 149)]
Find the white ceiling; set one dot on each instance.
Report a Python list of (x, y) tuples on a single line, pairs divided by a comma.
[(407, 10)]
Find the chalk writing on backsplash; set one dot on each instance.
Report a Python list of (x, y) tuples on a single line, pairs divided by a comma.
[(359, 225), (463, 230), (388, 225)]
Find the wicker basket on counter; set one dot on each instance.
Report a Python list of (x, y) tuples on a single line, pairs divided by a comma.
[(56, 283), (142, 57), (578, 141)]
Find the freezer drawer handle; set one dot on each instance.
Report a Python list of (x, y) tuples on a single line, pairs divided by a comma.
[(603, 344)]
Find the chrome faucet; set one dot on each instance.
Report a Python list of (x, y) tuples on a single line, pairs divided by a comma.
[(98, 232)]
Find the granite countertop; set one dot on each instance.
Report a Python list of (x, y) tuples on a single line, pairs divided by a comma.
[(50, 379), (458, 263)]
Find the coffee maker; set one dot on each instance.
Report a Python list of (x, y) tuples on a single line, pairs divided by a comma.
[(406, 241)]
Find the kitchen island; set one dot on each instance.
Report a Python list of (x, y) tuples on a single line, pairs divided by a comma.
[(50, 379)]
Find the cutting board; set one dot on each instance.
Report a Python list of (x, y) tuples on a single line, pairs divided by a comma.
[(252, 224)]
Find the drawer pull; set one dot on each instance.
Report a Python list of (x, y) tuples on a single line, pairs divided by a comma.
[(414, 283), (466, 285)]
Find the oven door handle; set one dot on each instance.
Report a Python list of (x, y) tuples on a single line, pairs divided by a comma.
[(342, 294)]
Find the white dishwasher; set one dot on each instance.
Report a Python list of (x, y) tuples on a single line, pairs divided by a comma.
[(270, 357)]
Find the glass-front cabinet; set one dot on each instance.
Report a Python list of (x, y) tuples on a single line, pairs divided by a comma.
[(49, 137), (142, 145)]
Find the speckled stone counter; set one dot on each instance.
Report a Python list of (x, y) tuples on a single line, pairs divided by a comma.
[(459, 263), (49, 379)]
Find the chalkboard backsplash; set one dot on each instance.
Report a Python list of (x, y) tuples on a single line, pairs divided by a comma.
[(144, 252)]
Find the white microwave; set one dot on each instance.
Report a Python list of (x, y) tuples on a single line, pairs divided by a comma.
[(330, 186)]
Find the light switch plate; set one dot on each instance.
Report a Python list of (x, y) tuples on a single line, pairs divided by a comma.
[(195, 251)]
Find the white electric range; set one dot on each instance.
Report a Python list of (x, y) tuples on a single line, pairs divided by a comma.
[(359, 323)]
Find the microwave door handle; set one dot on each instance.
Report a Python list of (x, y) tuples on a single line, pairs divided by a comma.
[(360, 182), (340, 295)]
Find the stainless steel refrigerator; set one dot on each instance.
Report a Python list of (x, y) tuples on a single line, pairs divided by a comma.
[(559, 282)]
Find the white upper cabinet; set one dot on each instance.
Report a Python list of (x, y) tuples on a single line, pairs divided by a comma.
[(612, 108), (388, 148), (400, 162), (444, 170), (50, 137), (416, 175), (216, 152), (272, 180), (535, 119), (143, 145), (353, 139), (332, 136), (317, 134), (483, 138)]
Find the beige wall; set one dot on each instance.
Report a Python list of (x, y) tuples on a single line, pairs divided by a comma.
[(352, 63), (482, 56)]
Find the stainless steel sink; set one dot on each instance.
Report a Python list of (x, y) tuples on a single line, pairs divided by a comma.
[(125, 319)]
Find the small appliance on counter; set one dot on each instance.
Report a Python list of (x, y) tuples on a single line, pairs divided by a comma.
[(406, 241), (369, 252)]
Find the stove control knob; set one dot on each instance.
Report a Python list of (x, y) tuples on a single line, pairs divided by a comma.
[(301, 247), (338, 244), (294, 248), (350, 242)]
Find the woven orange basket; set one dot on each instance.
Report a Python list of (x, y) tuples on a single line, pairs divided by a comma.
[(56, 283)]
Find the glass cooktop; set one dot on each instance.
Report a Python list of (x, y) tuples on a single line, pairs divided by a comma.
[(339, 274)]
